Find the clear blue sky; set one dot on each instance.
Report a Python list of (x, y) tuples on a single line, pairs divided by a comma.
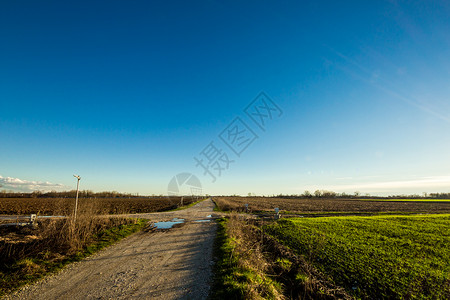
[(127, 93)]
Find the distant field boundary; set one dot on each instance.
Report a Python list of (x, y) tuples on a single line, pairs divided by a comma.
[(405, 200)]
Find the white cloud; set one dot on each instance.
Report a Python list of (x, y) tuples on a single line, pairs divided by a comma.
[(21, 185)]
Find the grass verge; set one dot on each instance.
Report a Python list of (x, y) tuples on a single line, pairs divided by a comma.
[(224, 285), (237, 275)]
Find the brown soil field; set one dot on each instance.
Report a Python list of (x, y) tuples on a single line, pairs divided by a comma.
[(327, 206), (65, 206)]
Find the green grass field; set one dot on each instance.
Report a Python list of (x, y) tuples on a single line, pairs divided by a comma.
[(401, 257)]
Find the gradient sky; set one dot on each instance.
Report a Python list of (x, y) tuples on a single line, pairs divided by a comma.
[(127, 93)]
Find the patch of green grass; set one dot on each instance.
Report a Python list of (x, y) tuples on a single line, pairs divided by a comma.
[(376, 257), (186, 206), (30, 269), (284, 263), (228, 279), (216, 208)]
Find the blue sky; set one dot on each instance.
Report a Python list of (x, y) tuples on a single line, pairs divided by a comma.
[(126, 94)]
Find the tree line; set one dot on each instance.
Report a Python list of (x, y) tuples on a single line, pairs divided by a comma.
[(359, 195)]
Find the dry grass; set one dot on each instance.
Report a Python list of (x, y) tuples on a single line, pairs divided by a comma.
[(63, 236), (33, 252), (248, 249), (240, 270)]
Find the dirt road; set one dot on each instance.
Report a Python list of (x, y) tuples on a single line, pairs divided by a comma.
[(171, 264)]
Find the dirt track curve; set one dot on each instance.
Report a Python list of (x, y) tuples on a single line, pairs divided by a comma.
[(171, 264)]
